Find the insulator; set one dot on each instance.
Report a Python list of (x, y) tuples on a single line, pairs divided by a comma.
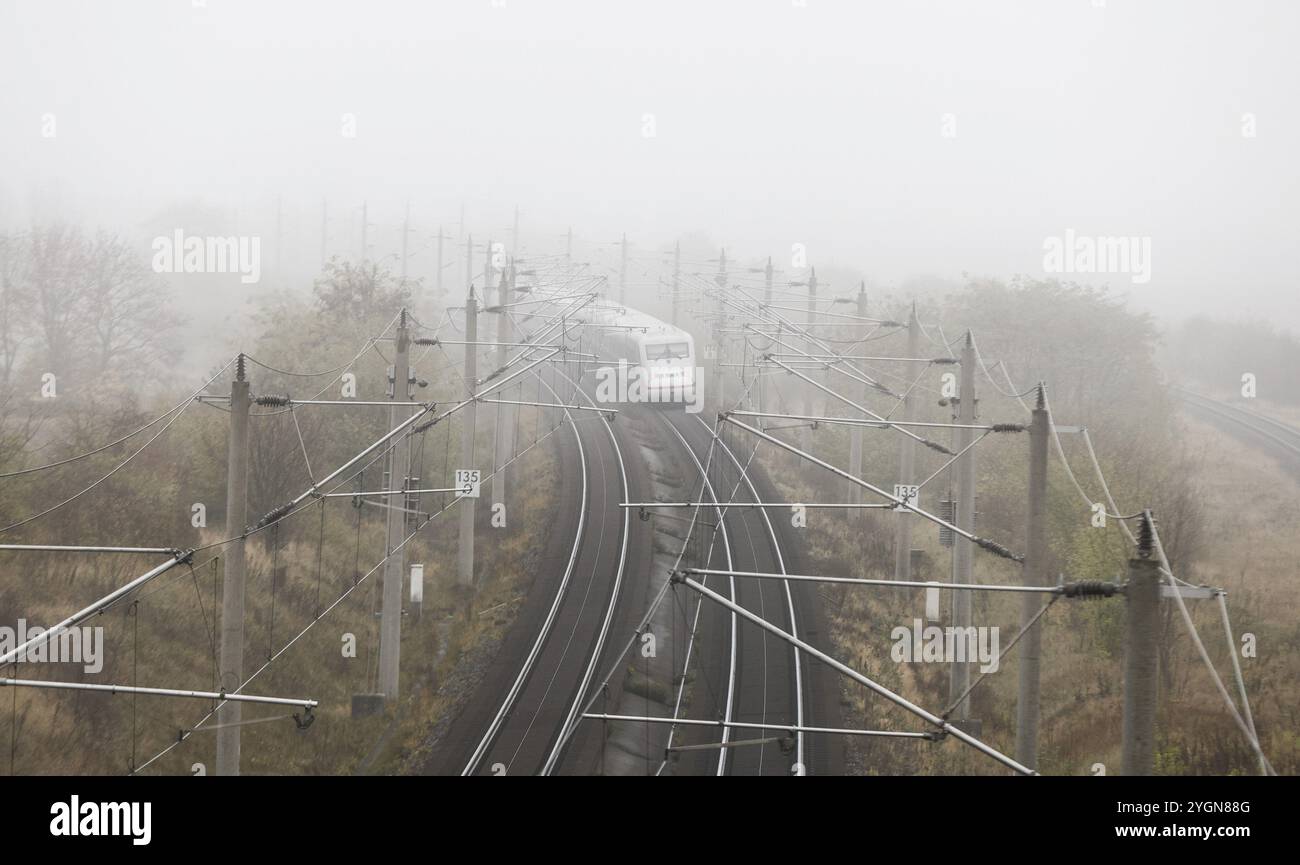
[(274, 515), (995, 547), (421, 427), (935, 446), (271, 400), (1008, 427), (1146, 535), (1090, 589)]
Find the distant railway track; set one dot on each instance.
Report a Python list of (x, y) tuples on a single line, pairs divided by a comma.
[(1274, 432)]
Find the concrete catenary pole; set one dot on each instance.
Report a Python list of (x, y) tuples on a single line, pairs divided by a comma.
[(719, 340), (469, 260), (622, 273), (390, 620), (768, 273), (1036, 574), (504, 434), (855, 433), (568, 247), (906, 461), (810, 395), (1141, 656), (279, 238), (487, 273), (437, 278), (365, 228), (324, 230), (232, 588), (465, 570), (963, 550), (406, 232), (677, 277)]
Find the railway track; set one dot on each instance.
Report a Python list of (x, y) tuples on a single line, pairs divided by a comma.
[(1263, 430), (766, 675), (526, 715), (523, 732)]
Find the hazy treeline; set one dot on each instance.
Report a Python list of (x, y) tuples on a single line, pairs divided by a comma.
[(1216, 354)]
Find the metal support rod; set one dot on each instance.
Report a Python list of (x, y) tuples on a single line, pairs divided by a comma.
[(159, 692), (812, 355), (52, 548), (96, 608), (600, 409), (818, 505), (862, 581), (845, 315), (389, 493), (875, 424), (384, 402), (743, 725), (868, 412), (879, 689), (866, 485)]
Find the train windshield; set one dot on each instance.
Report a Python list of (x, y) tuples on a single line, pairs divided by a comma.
[(667, 350)]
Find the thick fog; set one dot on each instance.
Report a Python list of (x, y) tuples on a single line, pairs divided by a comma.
[(898, 139)]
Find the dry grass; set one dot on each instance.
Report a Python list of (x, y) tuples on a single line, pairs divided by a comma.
[(1251, 550), (167, 641)]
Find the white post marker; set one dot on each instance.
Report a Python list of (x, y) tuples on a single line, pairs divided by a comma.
[(468, 482), (417, 584), (932, 601), (909, 493)]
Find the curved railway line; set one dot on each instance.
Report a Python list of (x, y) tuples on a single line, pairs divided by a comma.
[(1271, 433), (525, 735)]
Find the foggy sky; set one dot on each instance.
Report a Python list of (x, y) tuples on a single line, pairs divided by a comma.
[(774, 124)]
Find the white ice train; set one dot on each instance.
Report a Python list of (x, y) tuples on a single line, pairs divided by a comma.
[(641, 359)]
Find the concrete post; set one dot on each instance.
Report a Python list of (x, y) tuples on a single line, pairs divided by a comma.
[(465, 572), (1035, 572), (232, 588), (504, 433), (906, 462), (963, 550), (622, 274), (390, 619), (1141, 657), (855, 433)]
